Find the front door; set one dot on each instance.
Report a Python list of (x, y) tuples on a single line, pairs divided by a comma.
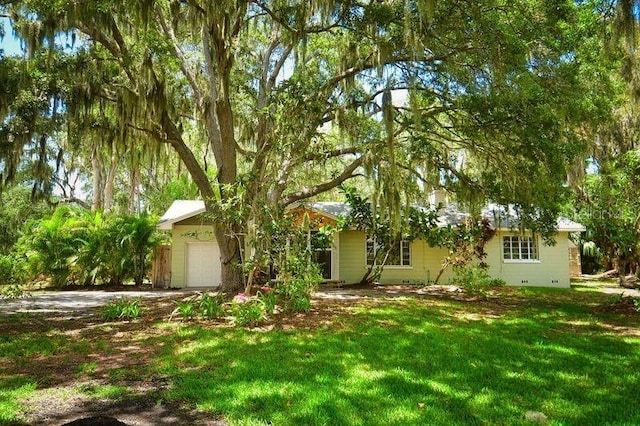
[(323, 258)]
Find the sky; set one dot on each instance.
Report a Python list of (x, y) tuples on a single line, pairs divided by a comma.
[(9, 44)]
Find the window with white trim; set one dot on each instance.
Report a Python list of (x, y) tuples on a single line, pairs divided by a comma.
[(516, 247), (399, 255)]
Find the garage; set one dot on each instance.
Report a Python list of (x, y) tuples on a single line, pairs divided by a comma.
[(203, 264)]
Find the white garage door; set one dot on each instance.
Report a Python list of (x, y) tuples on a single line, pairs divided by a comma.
[(203, 265)]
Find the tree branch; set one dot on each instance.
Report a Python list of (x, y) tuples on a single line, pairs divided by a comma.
[(325, 155), (318, 189), (168, 30), (111, 45)]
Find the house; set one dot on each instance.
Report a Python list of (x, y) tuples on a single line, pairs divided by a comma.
[(519, 258)]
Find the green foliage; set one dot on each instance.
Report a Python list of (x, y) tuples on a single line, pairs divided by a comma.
[(500, 97), (121, 308), (475, 278), (185, 308), (248, 311), (74, 245), (211, 306), (270, 298), (12, 292), (208, 306), (179, 188), (8, 273), (298, 279), (86, 368), (52, 244), (17, 207), (592, 257), (609, 208)]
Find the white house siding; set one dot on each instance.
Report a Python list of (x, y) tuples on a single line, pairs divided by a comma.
[(182, 235), (551, 270)]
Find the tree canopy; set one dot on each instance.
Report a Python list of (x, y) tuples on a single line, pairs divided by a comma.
[(267, 103)]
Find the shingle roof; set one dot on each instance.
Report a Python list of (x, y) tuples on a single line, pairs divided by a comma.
[(507, 218), (451, 214)]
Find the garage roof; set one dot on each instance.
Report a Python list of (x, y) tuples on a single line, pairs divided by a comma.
[(180, 210)]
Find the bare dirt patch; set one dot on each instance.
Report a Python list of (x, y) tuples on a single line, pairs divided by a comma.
[(106, 354)]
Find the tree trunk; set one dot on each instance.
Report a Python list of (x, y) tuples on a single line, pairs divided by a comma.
[(96, 202), (109, 182), (443, 268), (231, 268), (231, 271), (622, 271), (134, 196)]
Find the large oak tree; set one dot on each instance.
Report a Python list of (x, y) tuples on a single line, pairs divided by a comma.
[(291, 99)]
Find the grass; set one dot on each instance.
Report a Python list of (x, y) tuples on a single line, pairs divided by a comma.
[(407, 360), (411, 362), (13, 390)]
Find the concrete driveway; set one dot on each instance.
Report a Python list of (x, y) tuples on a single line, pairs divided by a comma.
[(70, 302)]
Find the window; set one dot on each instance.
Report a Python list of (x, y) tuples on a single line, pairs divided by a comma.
[(399, 255), (519, 248)]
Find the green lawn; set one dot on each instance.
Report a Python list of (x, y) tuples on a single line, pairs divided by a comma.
[(409, 360)]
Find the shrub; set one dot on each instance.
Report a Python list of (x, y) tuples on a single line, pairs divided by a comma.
[(248, 311), (121, 308), (475, 279), (12, 270), (298, 303), (6, 270), (13, 291), (269, 297), (186, 309), (74, 245), (206, 305), (51, 245), (300, 279), (211, 306)]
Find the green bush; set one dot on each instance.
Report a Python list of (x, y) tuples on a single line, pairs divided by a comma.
[(75, 245), (474, 278), (185, 308), (7, 274), (300, 279), (269, 297), (13, 291), (298, 304), (211, 306), (121, 308), (248, 311), (206, 305)]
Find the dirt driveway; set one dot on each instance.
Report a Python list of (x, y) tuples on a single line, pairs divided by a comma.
[(78, 302), (73, 302)]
